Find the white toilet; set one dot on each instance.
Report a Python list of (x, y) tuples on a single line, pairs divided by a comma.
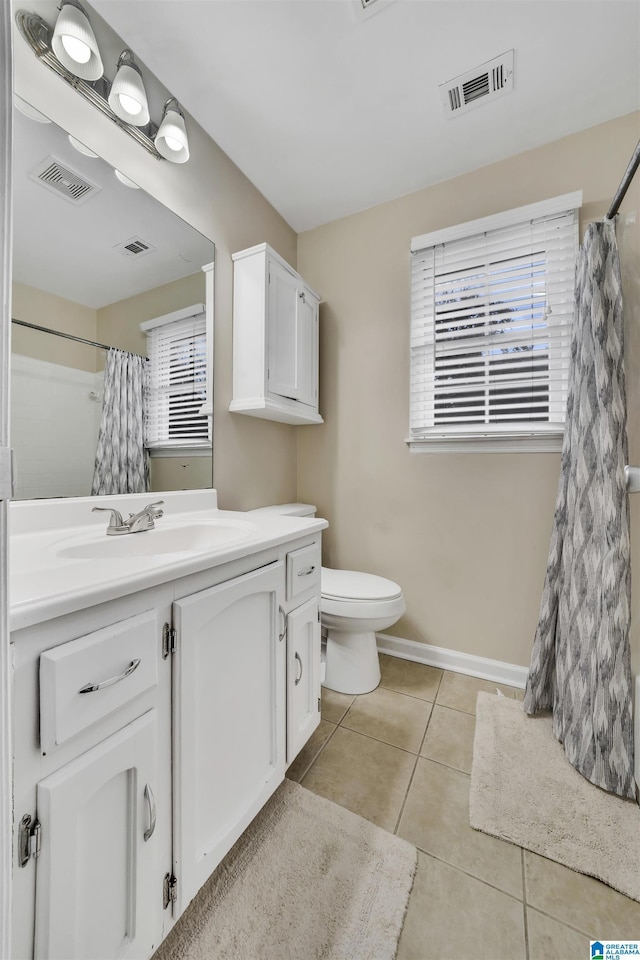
[(353, 607)]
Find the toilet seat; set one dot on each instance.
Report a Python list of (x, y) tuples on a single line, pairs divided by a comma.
[(359, 596), (356, 586)]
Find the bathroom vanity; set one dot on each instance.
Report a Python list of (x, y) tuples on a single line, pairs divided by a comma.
[(163, 681)]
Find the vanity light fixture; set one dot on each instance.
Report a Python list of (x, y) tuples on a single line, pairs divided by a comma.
[(74, 42), (29, 111), (80, 147), (125, 180), (71, 51), (171, 139), (127, 97)]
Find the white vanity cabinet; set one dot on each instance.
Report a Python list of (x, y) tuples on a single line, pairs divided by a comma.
[(98, 890), (275, 339), (92, 783), (149, 732), (229, 709)]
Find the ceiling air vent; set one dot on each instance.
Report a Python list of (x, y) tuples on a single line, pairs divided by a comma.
[(134, 247), (63, 181), (483, 83), (365, 8)]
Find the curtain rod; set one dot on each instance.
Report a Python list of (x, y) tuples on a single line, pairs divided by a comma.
[(68, 336), (624, 183)]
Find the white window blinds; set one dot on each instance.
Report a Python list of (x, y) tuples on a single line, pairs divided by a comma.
[(176, 384), (491, 317)]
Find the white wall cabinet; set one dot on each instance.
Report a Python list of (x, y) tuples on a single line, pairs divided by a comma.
[(139, 788), (275, 339)]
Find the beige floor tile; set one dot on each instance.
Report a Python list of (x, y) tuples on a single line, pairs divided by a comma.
[(461, 692), (436, 819), (550, 940), (405, 676), (365, 776), (335, 705), (580, 901), (449, 738), (310, 751), (391, 717), (453, 916)]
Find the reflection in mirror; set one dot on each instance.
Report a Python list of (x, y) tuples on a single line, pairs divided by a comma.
[(94, 257)]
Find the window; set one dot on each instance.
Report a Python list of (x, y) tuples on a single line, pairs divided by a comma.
[(491, 311), (176, 387)]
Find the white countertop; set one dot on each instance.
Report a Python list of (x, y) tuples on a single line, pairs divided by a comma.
[(49, 579)]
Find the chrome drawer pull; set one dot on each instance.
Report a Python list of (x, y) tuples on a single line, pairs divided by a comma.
[(90, 687), (151, 800), (305, 573), (300, 677)]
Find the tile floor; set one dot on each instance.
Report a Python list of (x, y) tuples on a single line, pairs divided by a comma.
[(401, 757)]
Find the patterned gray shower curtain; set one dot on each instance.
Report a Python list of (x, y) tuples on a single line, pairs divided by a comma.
[(122, 463), (580, 664)]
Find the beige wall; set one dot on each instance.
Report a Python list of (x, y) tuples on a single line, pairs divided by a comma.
[(48, 310), (254, 460), (466, 535)]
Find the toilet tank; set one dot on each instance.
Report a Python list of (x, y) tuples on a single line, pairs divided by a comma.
[(288, 510)]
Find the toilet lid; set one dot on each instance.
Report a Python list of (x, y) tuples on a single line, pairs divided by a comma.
[(351, 585)]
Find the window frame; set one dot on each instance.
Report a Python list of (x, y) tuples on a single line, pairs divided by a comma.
[(189, 447), (497, 437)]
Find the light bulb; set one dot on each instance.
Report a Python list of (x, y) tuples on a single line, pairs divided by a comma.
[(78, 50), (129, 105), (173, 144)]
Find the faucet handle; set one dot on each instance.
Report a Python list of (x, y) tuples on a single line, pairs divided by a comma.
[(115, 519), (153, 509)]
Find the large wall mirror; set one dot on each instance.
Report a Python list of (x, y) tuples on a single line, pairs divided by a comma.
[(93, 258)]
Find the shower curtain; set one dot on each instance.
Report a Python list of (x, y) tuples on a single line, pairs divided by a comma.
[(122, 463), (580, 665)]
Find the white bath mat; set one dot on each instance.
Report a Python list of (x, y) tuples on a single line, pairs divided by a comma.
[(307, 880), (524, 789)]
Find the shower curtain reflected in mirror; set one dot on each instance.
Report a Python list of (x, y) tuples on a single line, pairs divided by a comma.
[(122, 463)]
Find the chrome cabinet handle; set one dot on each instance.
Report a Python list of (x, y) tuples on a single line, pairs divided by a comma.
[(282, 633), (300, 662), (90, 687), (151, 800), (305, 573)]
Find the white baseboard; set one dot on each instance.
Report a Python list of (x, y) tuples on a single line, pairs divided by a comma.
[(454, 660)]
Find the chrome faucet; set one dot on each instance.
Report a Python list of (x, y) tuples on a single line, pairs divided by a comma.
[(136, 523)]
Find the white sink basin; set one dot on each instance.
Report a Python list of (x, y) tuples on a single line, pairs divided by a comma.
[(201, 537)]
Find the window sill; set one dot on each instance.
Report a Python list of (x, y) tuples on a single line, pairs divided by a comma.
[(524, 444), (155, 452)]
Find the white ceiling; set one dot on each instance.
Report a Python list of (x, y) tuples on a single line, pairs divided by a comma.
[(70, 250), (329, 112)]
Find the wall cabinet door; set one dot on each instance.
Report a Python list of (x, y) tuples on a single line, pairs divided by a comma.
[(303, 675), (98, 880), (229, 718), (275, 339)]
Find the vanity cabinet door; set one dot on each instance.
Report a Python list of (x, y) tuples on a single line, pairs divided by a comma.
[(303, 675), (229, 717), (98, 880)]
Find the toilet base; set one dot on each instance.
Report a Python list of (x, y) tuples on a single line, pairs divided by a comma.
[(352, 664)]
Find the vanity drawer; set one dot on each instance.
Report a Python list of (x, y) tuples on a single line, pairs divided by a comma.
[(303, 570), (91, 677)]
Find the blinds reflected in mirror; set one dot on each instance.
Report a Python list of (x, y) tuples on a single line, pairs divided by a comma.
[(177, 385)]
